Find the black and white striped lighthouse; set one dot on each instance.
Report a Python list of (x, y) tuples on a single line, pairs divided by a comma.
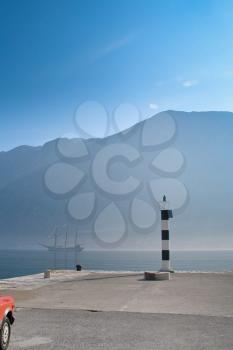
[(166, 214)]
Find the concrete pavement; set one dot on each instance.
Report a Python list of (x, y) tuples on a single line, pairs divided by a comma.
[(119, 311), (83, 330), (185, 293)]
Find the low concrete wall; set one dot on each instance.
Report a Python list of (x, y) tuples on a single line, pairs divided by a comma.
[(157, 276)]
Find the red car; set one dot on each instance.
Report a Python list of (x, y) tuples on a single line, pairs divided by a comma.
[(7, 306)]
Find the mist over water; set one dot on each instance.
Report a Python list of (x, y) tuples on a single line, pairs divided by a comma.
[(18, 262)]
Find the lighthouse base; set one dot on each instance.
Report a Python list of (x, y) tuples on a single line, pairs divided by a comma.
[(157, 276), (166, 267)]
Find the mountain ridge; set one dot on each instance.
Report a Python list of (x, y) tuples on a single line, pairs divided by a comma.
[(29, 212), (26, 146)]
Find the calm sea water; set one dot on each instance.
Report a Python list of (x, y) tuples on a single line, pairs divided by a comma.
[(18, 262)]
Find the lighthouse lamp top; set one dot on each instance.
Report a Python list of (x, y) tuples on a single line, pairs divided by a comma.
[(164, 204)]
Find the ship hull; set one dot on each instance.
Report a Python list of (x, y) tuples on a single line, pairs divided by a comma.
[(76, 249), (69, 249)]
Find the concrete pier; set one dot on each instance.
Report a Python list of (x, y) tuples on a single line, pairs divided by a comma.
[(102, 308)]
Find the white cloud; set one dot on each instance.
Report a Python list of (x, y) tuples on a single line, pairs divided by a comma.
[(228, 73), (153, 106), (114, 46), (189, 83)]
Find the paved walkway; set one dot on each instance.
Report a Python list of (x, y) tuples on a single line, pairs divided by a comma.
[(112, 311), (185, 293), (83, 330)]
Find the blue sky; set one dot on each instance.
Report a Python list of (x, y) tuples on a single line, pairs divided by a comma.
[(157, 55)]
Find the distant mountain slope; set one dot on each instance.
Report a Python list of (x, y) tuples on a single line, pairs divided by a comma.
[(29, 209)]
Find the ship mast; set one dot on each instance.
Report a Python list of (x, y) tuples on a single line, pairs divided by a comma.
[(66, 238), (75, 248), (55, 249)]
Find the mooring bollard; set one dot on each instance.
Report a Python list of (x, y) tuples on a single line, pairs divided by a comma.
[(47, 274), (78, 267)]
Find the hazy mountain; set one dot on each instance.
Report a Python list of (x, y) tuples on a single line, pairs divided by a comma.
[(39, 185)]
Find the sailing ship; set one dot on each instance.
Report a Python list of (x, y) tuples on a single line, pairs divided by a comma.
[(59, 248), (77, 248)]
